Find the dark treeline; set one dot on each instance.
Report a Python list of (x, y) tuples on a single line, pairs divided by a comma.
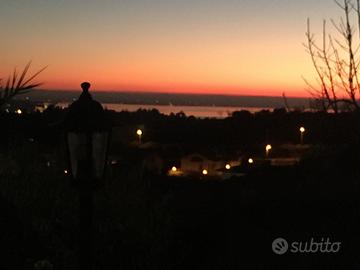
[(241, 129)]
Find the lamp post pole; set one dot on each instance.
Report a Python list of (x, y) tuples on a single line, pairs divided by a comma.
[(86, 229), (86, 208), (87, 141), (139, 133), (302, 131), (268, 147)]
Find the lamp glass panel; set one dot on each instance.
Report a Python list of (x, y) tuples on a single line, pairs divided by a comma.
[(77, 143), (99, 144)]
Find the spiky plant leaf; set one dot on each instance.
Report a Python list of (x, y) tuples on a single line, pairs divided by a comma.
[(23, 74), (17, 85), (33, 77)]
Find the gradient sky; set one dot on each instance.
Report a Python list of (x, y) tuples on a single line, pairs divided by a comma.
[(202, 46)]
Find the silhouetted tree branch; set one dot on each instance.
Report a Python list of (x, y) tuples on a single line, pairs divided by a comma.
[(336, 61), (286, 103)]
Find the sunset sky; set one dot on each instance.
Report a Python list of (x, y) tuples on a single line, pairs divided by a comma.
[(200, 46)]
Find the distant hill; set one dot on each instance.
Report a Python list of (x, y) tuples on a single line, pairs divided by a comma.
[(55, 96)]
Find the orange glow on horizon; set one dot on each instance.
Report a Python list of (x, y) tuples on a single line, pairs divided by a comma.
[(104, 84), (181, 89), (228, 66)]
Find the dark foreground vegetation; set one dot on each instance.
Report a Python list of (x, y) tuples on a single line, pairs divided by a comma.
[(145, 220)]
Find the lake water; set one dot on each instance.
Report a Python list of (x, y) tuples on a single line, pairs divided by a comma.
[(197, 111)]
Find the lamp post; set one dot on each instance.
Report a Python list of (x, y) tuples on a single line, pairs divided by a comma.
[(87, 137), (302, 131), (267, 149), (139, 133)]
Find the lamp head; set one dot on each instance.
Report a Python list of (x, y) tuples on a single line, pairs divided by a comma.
[(87, 136), (85, 86)]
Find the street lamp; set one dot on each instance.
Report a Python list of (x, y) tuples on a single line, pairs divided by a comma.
[(87, 137), (267, 149), (302, 131), (139, 133)]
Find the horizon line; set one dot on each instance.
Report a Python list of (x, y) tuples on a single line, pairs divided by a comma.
[(176, 93)]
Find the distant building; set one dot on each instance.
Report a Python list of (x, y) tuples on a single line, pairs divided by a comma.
[(196, 163), (41, 107), (290, 161), (289, 154)]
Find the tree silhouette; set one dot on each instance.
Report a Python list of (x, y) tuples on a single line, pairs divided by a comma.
[(336, 61)]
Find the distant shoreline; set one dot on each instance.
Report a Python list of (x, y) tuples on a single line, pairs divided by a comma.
[(181, 99), (143, 92)]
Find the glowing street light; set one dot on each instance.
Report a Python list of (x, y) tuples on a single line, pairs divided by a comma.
[(267, 149), (139, 133), (302, 131), (18, 111), (250, 161), (174, 171), (205, 172), (228, 166)]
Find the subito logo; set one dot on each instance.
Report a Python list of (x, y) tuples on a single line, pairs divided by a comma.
[(280, 246)]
